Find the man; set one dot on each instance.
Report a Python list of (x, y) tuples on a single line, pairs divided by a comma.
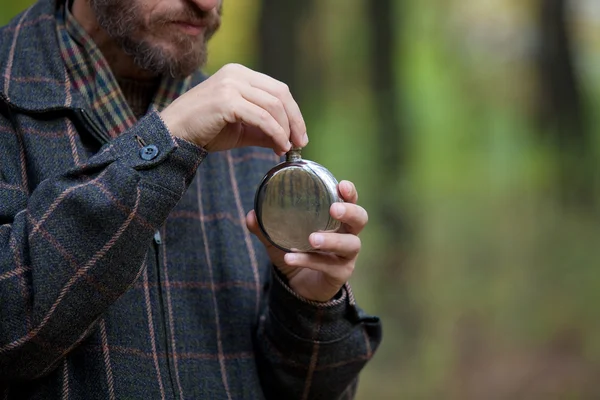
[(126, 187)]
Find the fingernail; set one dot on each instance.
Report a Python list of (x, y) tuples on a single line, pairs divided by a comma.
[(339, 210), (305, 139), (290, 258), (347, 186), (317, 240)]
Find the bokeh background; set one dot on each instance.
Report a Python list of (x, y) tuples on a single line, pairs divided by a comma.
[(471, 129)]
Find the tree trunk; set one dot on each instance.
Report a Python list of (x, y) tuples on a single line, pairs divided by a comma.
[(560, 106), (392, 161), (279, 23)]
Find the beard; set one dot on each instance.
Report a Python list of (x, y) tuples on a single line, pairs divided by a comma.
[(184, 54)]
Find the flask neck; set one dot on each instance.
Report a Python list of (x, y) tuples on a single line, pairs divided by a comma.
[(295, 154)]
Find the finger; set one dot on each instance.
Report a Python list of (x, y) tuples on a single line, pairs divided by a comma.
[(268, 102), (343, 245), (252, 225), (280, 90), (348, 191), (253, 136), (251, 114), (352, 215), (335, 267)]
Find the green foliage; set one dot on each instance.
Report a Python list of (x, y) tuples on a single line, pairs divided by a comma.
[(9, 9)]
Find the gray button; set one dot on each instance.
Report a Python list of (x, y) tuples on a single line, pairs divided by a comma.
[(149, 152), (157, 238)]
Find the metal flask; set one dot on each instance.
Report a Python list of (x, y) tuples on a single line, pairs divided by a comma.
[(293, 201)]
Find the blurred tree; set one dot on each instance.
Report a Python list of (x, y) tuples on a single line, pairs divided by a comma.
[(560, 104), (278, 38), (392, 159), (383, 81)]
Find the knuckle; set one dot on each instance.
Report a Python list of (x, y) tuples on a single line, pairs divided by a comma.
[(342, 244), (356, 246), (227, 95), (228, 89), (264, 116), (227, 83), (283, 89), (351, 213), (231, 68), (358, 214), (364, 216), (229, 110), (275, 103), (350, 247), (339, 243)]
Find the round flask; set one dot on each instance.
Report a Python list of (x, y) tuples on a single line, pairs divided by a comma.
[(293, 201)]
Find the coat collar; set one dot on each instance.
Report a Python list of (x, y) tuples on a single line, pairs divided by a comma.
[(33, 76)]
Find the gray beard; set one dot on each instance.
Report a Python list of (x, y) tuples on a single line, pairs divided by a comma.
[(118, 19)]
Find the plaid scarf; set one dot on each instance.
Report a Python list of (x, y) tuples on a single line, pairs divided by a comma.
[(92, 76)]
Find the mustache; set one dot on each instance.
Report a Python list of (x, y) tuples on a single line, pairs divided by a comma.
[(193, 15)]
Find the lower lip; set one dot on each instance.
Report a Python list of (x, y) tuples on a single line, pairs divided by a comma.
[(192, 30)]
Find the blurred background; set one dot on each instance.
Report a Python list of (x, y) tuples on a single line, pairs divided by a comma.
[(471, 129)]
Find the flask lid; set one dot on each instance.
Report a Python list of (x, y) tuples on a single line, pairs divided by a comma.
[(295, 154)]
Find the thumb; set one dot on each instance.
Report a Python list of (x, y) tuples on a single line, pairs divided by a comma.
[(275, 254), (252, 225)]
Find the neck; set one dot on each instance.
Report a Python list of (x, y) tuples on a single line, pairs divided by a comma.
[(120, 63)]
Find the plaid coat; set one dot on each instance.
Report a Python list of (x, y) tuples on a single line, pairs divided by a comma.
[(127, 272)]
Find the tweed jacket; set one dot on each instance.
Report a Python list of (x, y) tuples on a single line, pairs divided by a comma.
[(126, 270)]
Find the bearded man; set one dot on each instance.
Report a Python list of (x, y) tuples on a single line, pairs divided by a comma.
[(131, 263)]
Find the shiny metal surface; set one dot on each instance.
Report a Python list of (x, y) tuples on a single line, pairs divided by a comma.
[(293, 201)]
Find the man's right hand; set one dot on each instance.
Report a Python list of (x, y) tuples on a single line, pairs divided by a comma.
[(237, 107)]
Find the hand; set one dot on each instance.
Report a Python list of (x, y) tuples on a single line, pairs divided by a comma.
[(319, 276), (237, 107)]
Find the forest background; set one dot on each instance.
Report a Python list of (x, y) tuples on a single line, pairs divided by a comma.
[(471, 129)]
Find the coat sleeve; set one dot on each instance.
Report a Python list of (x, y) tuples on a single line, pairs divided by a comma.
[(309, 350), (72, 246)]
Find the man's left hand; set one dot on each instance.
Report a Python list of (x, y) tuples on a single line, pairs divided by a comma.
[(320, 276)]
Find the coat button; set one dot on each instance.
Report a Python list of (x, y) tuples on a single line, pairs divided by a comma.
[(149, 152)]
